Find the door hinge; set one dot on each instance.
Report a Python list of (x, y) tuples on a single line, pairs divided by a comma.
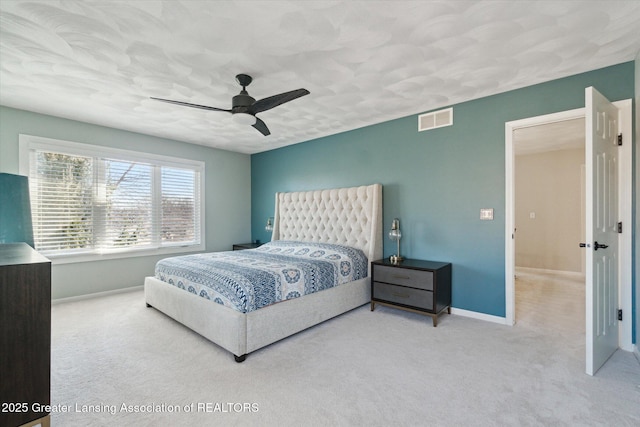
[(620, 227), (619, 139), (620, 315)]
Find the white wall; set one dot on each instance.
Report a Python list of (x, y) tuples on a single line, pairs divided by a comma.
[(228, 194), (549, 186)]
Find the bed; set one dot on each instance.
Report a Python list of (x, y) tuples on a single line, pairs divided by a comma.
[(350, 217)]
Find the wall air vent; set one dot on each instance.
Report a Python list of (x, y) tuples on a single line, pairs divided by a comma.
[(435, 119)]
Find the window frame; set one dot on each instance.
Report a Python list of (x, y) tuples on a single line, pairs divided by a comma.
[(27, 143)]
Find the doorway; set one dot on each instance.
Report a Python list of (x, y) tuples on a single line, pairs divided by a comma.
[(549, 221), (625, 209)]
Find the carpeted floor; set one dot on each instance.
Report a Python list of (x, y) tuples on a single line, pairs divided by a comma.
[(116, 362)]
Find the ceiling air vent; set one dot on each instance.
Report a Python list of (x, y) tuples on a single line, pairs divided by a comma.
[(435, 119)]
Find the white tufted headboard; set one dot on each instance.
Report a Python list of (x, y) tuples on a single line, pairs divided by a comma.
[(344, 216)]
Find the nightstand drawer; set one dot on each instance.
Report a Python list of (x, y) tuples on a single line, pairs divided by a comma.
[(402, 295), (403, 276)]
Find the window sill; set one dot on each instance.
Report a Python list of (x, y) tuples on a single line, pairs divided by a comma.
[(92, 257)]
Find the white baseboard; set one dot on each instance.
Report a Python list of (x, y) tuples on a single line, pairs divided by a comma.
[(573, 274), (96, 295), (479, 316)]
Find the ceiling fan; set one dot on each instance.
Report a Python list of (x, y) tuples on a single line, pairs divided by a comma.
[(244, 107)]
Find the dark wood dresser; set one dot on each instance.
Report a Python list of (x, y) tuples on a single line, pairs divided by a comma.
[(25, 335), (415, 285)]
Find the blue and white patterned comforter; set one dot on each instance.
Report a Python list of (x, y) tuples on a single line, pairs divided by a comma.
[(254, 278)]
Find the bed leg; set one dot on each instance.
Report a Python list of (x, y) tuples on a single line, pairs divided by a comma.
[(240, 359)]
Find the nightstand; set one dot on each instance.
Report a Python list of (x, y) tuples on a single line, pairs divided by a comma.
[(241, 246), (414, 285)]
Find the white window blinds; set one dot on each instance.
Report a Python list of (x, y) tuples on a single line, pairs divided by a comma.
[(61, 201), (99, 203), (125, 203), (179, 206)]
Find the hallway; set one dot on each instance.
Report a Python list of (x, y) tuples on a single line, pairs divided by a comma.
[(553, 302)]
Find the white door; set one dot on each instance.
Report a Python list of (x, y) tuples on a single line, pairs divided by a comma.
[(601, 229)]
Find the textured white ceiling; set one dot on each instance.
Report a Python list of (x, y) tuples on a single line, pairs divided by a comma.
[(562, 135), (363, 62)]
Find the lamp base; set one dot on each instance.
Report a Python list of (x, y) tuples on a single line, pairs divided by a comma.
[(395, 259)]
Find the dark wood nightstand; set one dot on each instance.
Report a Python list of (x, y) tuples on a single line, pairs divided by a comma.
[(415, 285), (241, 246)]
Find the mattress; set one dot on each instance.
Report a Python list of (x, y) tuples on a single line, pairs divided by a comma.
[(250, 279)]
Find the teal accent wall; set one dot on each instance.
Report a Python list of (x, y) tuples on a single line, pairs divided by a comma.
[(15, 209), (436, 181), (227, 187)]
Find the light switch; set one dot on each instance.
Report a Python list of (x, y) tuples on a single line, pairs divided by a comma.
[(532, 215), (486, 214)]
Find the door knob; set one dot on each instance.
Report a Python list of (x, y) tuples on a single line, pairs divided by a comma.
[(597, 246)]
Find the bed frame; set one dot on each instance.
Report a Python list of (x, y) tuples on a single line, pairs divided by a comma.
[(346, 216)]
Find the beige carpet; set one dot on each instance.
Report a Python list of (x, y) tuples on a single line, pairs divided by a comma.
[(388, 367), (551, 302)]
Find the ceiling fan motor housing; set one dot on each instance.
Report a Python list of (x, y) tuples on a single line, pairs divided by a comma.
[(241, 102)]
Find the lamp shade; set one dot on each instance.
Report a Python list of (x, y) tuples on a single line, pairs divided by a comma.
[(15, 209)]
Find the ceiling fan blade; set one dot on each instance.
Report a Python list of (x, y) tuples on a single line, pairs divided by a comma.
[(186, 104), (261, 126), (275, 100)]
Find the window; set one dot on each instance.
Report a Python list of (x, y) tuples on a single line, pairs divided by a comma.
[(88, 200)]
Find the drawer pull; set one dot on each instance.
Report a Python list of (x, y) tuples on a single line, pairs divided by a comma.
[(401, 277)]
